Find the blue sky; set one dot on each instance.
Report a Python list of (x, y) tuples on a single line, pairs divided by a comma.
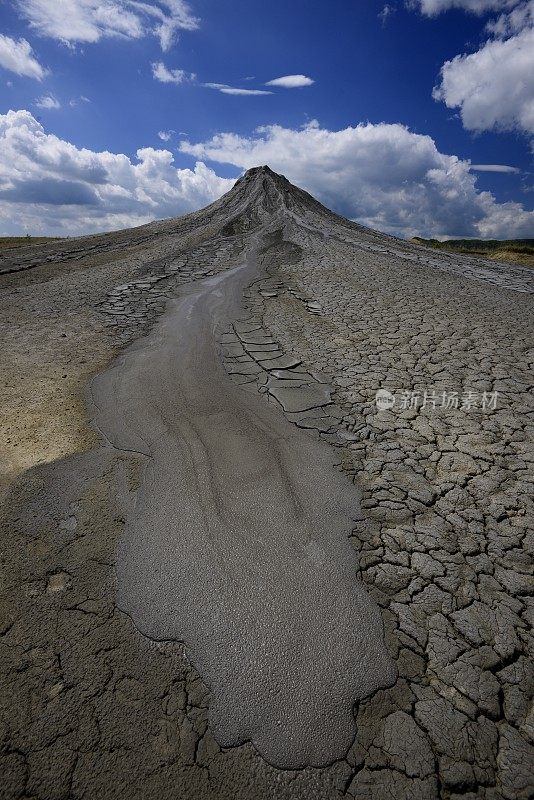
[(392, 106)]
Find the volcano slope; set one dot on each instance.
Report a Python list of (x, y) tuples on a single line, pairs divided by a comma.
[(190, 441)]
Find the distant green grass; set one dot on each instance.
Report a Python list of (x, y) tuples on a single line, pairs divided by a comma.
[(517, 251), (24, 241)]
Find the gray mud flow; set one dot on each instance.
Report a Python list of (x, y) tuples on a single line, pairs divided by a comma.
[(237, 540)]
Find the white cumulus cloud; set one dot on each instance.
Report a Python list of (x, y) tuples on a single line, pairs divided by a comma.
[(161, 73), (494, 87), (383, 176), (49, 186), (16, 55), (291, 81), (73, 21)]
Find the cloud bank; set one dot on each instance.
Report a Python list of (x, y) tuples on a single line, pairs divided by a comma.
[(49, 186), (383, 176)]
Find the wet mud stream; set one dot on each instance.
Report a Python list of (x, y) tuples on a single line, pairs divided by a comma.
[(237, 540)]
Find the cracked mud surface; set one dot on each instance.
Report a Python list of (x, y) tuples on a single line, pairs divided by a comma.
[(89, 708)]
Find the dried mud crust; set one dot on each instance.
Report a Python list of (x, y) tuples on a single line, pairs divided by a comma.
[(446, 545), (91, 709)]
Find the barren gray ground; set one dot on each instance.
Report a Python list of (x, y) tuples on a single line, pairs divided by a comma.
[(443, 543)]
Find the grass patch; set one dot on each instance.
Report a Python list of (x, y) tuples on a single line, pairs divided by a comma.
[(25, 241), (516, 251)]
